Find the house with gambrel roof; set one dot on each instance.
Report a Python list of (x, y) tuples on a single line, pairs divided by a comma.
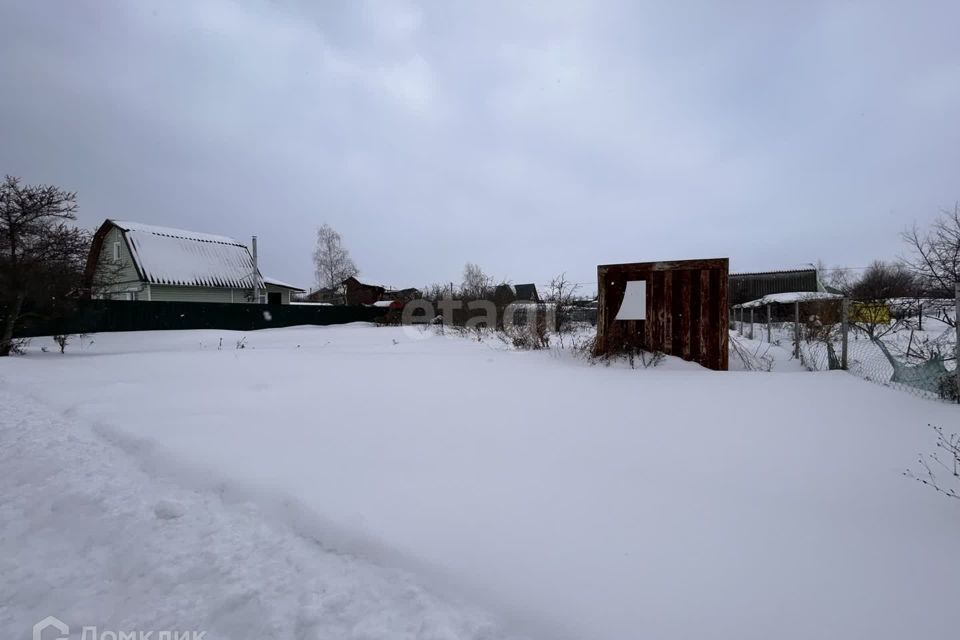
[(145, 262)]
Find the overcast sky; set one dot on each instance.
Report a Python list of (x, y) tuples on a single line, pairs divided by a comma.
[(529, 137)]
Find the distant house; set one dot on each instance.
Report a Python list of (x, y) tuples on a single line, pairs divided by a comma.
[(401, 295), (134, 261), (357, 292), (354, 292), (360, 293), (507, 293), (326, 295)]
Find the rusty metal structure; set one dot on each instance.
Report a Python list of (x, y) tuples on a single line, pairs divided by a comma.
[(677, 307)]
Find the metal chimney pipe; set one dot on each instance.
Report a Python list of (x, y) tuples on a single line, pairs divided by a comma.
[(256, 273)]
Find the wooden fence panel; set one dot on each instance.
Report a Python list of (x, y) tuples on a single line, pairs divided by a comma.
[(686, 309)]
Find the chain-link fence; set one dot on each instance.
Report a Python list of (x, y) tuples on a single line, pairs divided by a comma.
[(909, 345)]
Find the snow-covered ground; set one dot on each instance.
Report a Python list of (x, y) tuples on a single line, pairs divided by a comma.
[(90, 537), (338, 482)]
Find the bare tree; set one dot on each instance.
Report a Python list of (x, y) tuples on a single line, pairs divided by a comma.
[(934, 256), (881, 298), (837, 277), (476, 284), (884, 281), (561, 293), (41, 256), (331, 260)]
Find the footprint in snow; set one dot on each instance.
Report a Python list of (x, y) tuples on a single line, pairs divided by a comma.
[(168, 510)]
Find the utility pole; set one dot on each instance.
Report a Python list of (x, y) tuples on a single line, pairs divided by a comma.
[(768, 325), (256, 273), (796, 329)]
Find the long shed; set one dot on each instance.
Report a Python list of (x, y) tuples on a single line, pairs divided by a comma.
[(745, 287)]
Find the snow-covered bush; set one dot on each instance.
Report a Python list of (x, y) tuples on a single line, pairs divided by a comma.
[(62, 341), (18, 346), (531, 336), (584, 347), (947, 388), (757, 359)]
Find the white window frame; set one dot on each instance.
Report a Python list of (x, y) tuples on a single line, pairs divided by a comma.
[(116, 253)]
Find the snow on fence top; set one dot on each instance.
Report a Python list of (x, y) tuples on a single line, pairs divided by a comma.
[(789, 298), (177, 257)]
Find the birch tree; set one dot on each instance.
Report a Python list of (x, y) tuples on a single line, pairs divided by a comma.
[(331, 260)]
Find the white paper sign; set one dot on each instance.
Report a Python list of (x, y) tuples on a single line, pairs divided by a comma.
[(634, 305)]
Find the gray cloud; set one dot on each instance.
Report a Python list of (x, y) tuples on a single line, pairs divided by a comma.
[(531, 138)]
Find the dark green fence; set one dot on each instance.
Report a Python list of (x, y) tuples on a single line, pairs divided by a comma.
[(98, 316)]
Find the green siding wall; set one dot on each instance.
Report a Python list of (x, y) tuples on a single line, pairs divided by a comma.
[(119, 276), (166, 293)]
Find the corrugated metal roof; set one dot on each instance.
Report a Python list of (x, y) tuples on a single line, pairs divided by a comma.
[(789, 298), (771, 273), (178, 257)]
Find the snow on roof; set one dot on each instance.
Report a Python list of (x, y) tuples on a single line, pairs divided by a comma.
[(789, 298), (126, 225), (280, 283), (178, 257)]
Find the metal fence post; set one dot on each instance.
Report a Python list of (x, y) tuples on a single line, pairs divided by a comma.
[(845, 329), (768, 325), (751, 323), (796, 329), (740, 324)]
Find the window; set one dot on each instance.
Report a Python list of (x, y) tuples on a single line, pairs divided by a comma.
[(116, 252), (634, 305)]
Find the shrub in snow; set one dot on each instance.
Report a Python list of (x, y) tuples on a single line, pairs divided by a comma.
[(62, 342), (940, 470), (18, 346), (751, 359), (530, 336), (947, 388), (586, 349)]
